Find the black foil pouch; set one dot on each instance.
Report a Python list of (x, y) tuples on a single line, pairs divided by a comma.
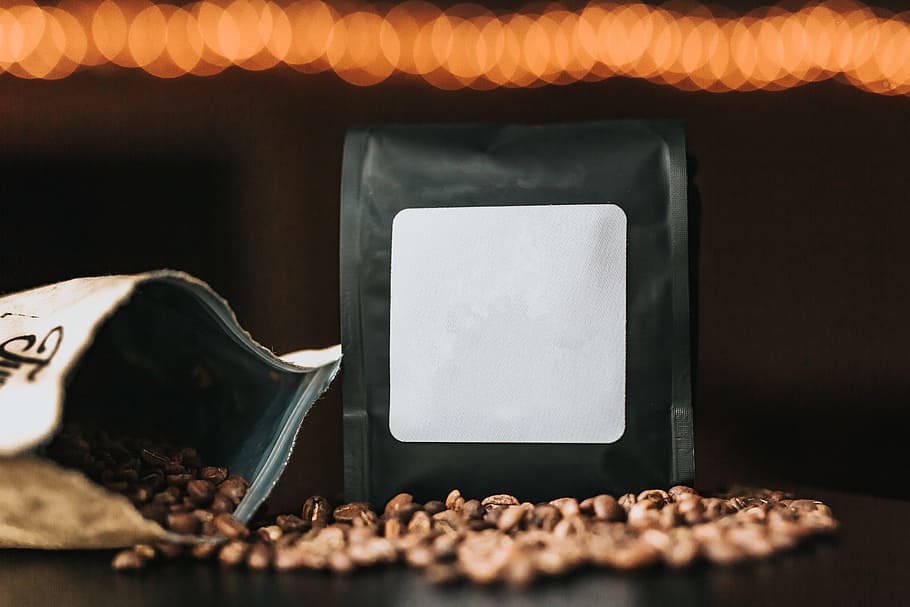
[(515, 310)]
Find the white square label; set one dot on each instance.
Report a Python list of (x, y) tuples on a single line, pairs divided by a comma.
[(508, 324)]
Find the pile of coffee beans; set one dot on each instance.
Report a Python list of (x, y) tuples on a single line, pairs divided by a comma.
[(166, 483), (495, 539)]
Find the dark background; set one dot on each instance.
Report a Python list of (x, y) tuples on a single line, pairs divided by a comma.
[(802, 367)]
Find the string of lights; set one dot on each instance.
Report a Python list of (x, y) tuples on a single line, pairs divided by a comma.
[(468, 45)]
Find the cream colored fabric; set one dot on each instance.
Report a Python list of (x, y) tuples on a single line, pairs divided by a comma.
[(43, 505)]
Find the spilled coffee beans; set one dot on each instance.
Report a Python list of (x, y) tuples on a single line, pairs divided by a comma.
[(497, 538)]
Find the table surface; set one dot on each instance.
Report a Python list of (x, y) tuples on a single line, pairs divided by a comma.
[(866, 563)]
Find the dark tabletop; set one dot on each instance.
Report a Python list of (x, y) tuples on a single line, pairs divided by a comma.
[(866, 563)]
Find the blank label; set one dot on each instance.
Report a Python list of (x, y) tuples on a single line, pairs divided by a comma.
[(508, 324)]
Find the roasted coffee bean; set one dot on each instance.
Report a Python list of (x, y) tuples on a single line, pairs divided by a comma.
[(448, 521), (472, 509), (420, 556), (230, 527), (678, 490), (234, 488), (498, 501), (420, 523), (233, 553), (169, 550), (213, 474), (259, 556), (454, 498), (340, 562), (291, 522), (200, 491), (546, 516), (183, 522), (168, 496), (204, 551), (510, 518), (627, 501), (128, 560), (568, 506), (270, 533), (178, 479), (434, 507), (392, 528), (810, 506), (221, 503), (140, 496), (316, 511), (395, 504), (155, 511), (406, 511), (643, 514), (366, 518), (346, 513), (659, 496), (606, 508)]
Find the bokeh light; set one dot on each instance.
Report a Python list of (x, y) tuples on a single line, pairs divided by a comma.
[(683, 44)]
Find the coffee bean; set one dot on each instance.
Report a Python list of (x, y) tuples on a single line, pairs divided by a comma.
[(128, 560), (394, 505), (366, 518), (340, 562), (178, 480), (643, 514), (627, 501), (510, 518), (472, 509), (213, 474), (183, 522), (168, 496), (200, 491), (453, 498), (146, 551), (448, 521), (346, 513), (289, 523), (434, 507), (152, 481), (230, 527), (259, 556), (568, 506), (233, 553), (677, 490), (499, 500), (658, 496), (270, 533), (546, 516), (606, 508), (234, 488), (420, 523), (316, 511), (406, 511), (204, 551), (420, 556), (221, 503), (155, 511), (170, 550), (392, 528)]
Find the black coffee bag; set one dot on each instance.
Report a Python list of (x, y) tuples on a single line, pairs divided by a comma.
[(515, 310)]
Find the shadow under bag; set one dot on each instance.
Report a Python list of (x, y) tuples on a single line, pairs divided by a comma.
[(515, 310)]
